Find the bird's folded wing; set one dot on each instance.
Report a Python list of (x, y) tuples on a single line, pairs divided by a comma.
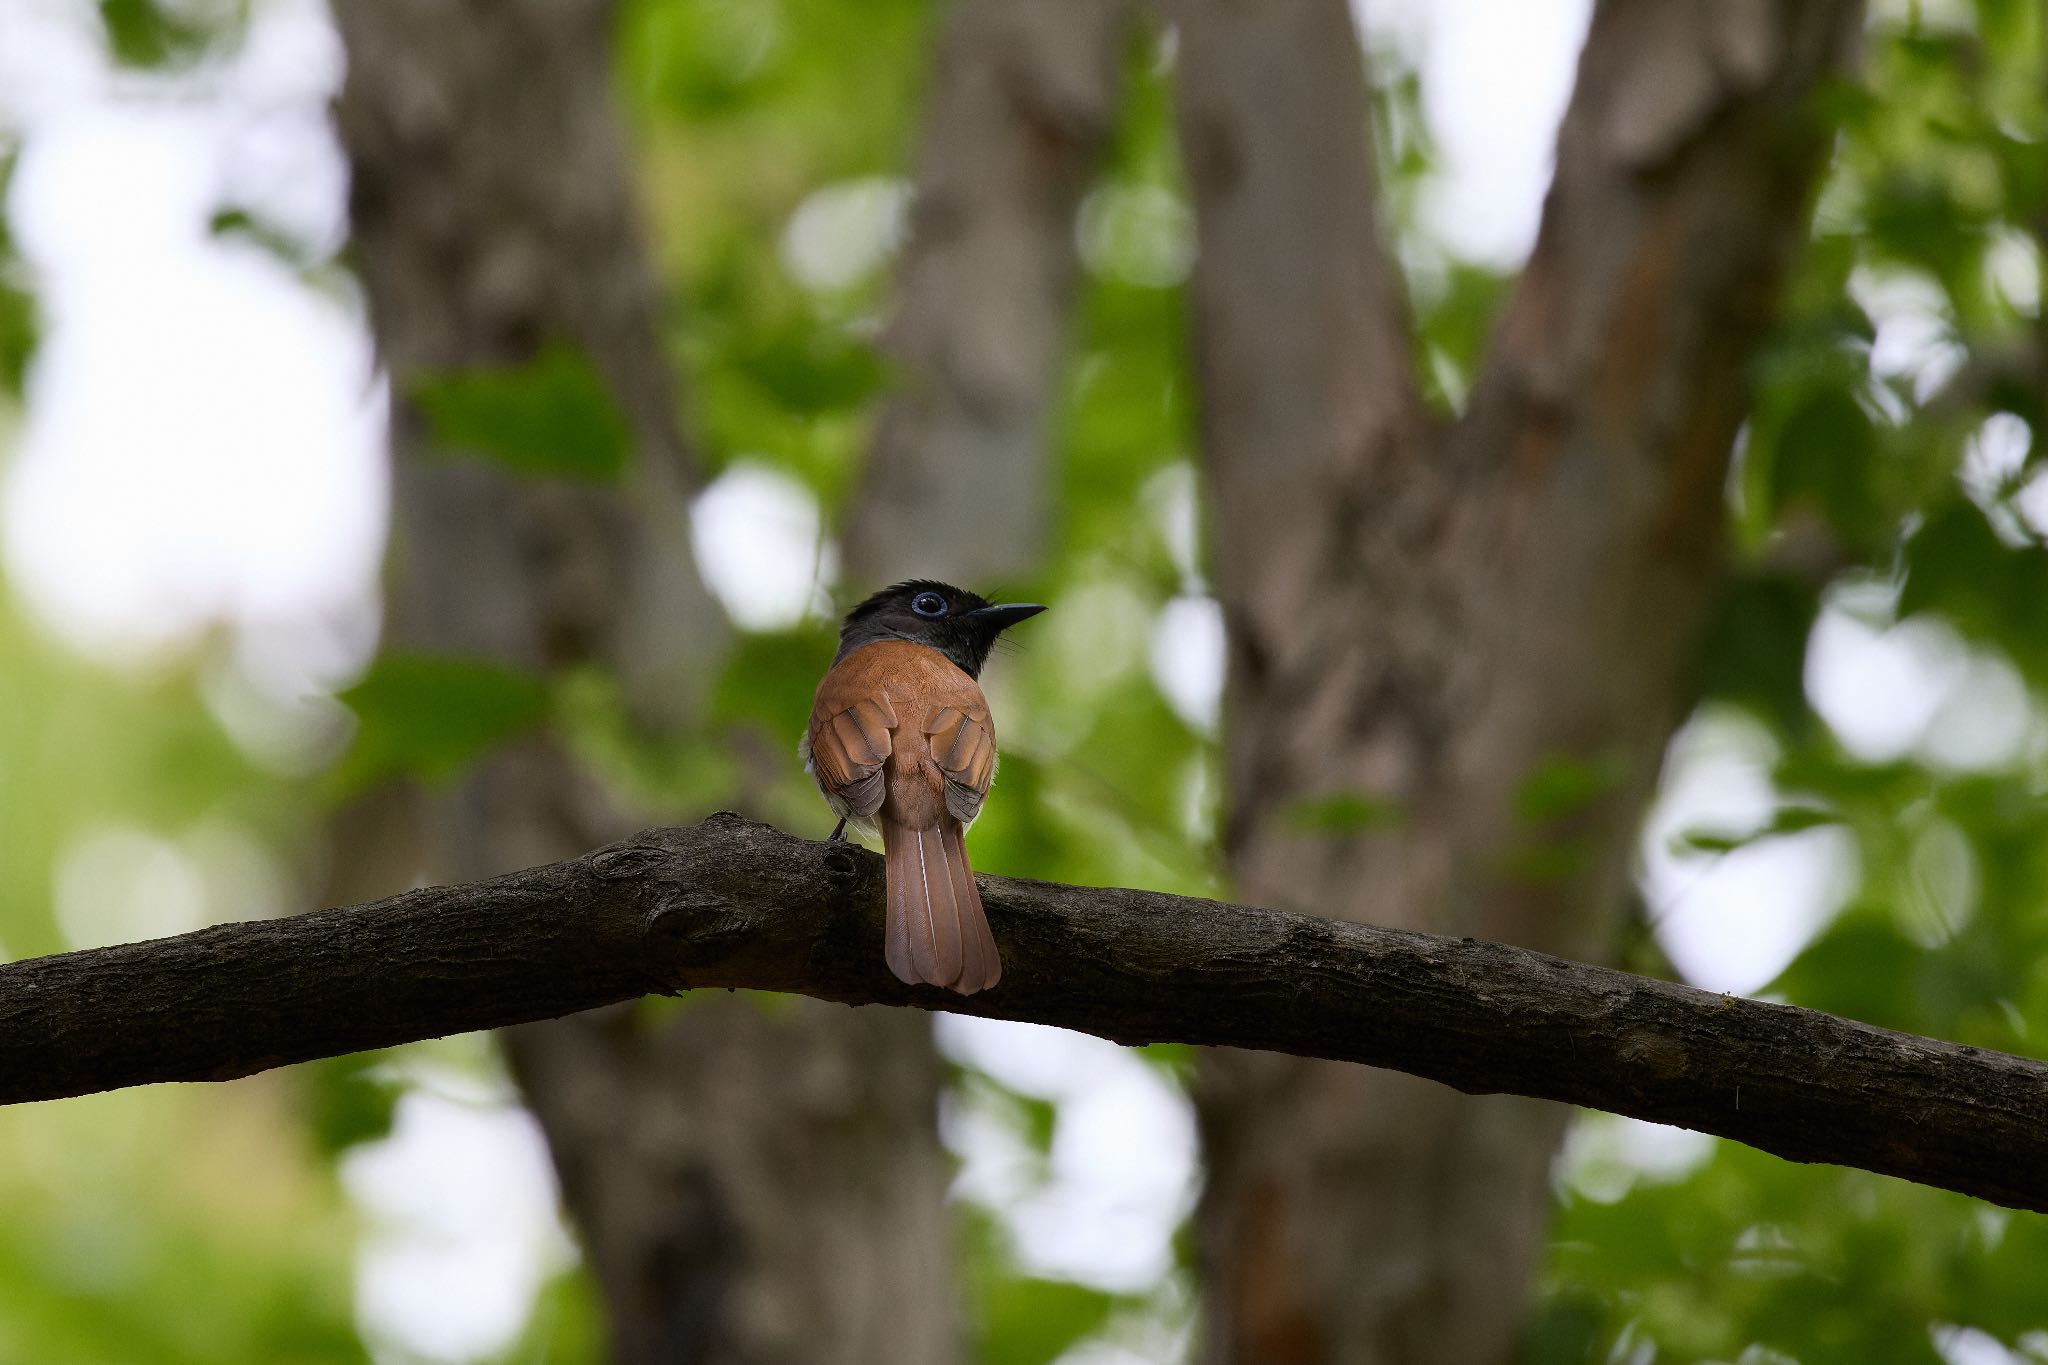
[(850, 741), (964, 748)]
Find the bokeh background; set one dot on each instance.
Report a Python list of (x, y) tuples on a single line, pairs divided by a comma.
[(193, 515)]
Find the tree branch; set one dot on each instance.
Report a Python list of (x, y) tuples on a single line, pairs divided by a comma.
[(737, 905)]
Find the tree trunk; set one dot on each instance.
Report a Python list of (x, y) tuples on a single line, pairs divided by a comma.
[(1021, 105), (955, 485), (1477, 637), (741, 1192), (749, 1185)]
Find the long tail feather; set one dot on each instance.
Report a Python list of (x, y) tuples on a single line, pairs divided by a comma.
[(923, 936), (980, 967), (937, 931)]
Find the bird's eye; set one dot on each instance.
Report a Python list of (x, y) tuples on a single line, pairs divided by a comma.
[(928, 604)]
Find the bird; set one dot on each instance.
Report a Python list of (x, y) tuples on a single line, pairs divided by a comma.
[(900, 741)]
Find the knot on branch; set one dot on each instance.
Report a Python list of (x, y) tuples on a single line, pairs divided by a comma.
[(842, 863), (683, 915)]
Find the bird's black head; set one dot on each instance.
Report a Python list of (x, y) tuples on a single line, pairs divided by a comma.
[(961, 625)]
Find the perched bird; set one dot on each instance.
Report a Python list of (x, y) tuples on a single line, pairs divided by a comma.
[(900, 737)]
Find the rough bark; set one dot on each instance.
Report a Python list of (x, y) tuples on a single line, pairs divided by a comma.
[(728, 1211), (737, 905), (745, 1181), (492, 216), (821, 1177), (1485, 631), (1022, 102), (955, 487)]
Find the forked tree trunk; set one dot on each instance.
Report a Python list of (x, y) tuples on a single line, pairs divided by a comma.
[(748, 1185), (1476, 638)]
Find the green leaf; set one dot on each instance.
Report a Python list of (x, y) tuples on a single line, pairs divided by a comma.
[(347, 1100), (1566, 1330), (1755, 652), (768, 680), (1788, 820), (566, 1327), (429, 716), (1176, 1060), (1340, 812), (240, 224), (1993, 592), (1798, 819), (551, 417), (1821, 450), (1562, 785), (806, 370), (17, 334), (146, 33), (17, 306), (1028, 1321), (1033, 1118), (1862, 969)]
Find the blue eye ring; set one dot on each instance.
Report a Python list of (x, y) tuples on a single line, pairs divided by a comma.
[(928, 604)]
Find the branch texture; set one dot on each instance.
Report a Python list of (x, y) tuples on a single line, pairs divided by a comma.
[(733, 904)]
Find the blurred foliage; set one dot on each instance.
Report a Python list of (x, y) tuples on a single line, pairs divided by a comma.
[(154, 34), (1856, 470), (566, 1326), (172, 1227), (167, 1224), (551, 416), (1341, 813), (17, 305), (1890, 473), (1888, 481), (347, 1100), (1023, 1320), (429, 716)]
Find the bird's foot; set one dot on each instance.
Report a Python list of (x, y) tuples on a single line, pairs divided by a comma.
[(838, 832)]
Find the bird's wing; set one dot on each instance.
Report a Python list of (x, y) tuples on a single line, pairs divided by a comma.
[(849, 742), (964, 748)]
